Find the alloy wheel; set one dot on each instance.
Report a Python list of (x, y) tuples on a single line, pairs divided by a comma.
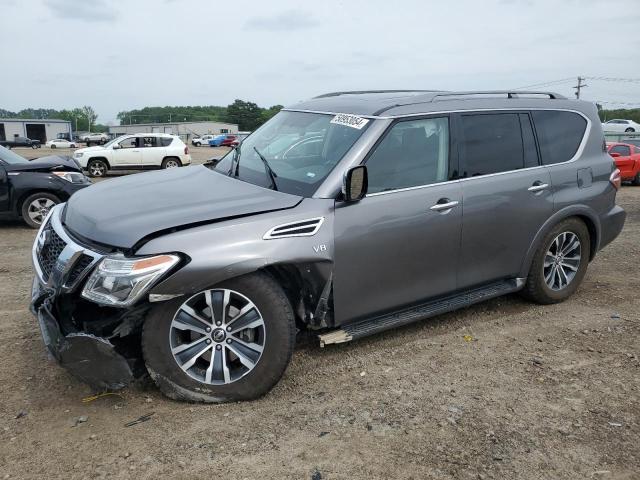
[(97, 169), (562, 261), (39, 209), (171, 164), (217, 336)]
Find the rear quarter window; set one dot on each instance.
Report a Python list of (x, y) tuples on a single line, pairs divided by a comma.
[(166, 141), (559, 134)]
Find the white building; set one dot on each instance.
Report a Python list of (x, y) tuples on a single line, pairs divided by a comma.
[(185, 130), (34, 129)]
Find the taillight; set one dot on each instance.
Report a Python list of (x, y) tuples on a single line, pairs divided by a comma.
[(615, 179), (186, 150)]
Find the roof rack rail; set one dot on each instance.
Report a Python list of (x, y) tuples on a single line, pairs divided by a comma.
[(508, 93), (362, 92)]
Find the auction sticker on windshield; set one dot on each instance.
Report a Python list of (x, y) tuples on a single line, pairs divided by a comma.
[(347, 120)]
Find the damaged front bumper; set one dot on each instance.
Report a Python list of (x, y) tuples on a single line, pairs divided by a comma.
[(90, 358)]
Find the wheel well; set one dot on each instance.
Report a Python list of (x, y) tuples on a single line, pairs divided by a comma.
[(18, 206), (99, 158), (172, 156), (593, 235)]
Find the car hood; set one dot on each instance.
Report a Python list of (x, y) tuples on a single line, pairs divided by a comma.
[(121, 212), (90, 149), (46, 164)]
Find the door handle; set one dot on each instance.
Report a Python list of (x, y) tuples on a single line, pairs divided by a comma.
[(538, 186), (135, 150), (444, 204)]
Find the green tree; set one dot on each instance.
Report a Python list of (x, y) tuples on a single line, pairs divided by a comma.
[(247, 115)]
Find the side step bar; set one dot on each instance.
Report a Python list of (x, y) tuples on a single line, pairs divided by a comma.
[(367, 327)]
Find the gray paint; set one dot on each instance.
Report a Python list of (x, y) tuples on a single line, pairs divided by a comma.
[(387, 251)]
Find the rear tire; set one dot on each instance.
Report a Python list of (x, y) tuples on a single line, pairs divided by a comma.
[(53, 145), (97, 168), (636, 180), (36, 207), (539, 287), (192, 384), (171, 162), (630, 130)]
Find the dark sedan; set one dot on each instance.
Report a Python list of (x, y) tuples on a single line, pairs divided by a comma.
[(28, 189)]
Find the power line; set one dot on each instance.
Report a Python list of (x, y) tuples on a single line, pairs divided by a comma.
[(614, 79), (550, 83), (579, 86)]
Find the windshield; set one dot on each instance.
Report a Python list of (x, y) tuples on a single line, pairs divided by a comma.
[(10, 157), (300, 148)]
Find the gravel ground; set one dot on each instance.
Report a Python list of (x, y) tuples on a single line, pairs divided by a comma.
[(501, 390)]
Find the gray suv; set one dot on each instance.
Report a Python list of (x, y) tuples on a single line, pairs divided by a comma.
[(348, 214)]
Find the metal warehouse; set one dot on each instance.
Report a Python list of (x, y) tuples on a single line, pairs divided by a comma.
[(186, 130), (43, 129)]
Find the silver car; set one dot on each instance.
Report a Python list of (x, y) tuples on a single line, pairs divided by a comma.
[(348, 214)]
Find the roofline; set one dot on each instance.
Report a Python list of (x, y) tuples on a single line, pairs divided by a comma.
[(170, 123), (35, 120), (363, 92)]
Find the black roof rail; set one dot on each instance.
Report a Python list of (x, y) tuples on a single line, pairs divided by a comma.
[(362, 92), (508, 93)]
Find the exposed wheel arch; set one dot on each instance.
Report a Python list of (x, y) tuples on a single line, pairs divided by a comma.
[(24, 195), (104, 159), (583, 213)]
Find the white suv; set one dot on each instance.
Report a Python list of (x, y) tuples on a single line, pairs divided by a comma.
[(133, 152)]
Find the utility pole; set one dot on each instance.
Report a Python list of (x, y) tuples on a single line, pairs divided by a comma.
[(579, 86)]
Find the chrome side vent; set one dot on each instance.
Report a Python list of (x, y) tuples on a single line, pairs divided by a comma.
[(301, 228)]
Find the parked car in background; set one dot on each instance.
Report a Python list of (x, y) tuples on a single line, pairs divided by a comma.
[(29, 189), (217, 140), (134, 152), (203, 140), (20, 142), (418, 203), (627, 158), (95, 138), (61, 143), (230, 141), (620, 126)]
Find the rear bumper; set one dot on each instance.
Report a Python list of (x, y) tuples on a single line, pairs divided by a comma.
[(611, 225)]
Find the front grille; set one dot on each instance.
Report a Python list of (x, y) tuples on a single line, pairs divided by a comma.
[(50, 251), (78, 269)]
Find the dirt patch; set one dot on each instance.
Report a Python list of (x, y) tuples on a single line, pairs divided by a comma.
[(538, 392)]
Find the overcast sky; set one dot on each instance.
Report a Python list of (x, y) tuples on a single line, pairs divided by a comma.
[(121, 54)]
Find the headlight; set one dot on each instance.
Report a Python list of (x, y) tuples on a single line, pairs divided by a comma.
[(120, 281), (73, 177)]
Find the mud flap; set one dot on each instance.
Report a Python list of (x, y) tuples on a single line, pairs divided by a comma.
[(91, 359)]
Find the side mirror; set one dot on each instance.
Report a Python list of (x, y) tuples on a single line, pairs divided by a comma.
[(615, 154), (116, 146), (355, 183)]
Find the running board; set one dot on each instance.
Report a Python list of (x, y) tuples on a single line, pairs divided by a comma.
[(378, 324)]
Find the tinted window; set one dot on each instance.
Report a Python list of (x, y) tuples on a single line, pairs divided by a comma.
[(559, 134), (491, 143), (621, 149), (148, 141), (413, 153), (166, 141)]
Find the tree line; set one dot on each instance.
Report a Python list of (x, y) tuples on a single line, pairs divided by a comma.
[(622, 113), (247, 115)]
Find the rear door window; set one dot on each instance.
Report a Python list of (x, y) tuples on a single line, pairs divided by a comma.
[(559, 134), (492, 143), (148, 142)]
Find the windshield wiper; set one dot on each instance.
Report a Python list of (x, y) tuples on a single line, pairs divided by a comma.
[(267, 167)]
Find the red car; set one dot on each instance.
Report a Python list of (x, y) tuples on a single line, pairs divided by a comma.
[(627, 159), (230, 141)]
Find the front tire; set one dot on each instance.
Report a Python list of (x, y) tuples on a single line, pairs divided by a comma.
[(560, 263), (36, 207), (97, 168), (237, 353), (636, 180)]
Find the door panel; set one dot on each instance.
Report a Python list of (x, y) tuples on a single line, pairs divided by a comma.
[(392, 250), (128, 155), (500, 220)]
